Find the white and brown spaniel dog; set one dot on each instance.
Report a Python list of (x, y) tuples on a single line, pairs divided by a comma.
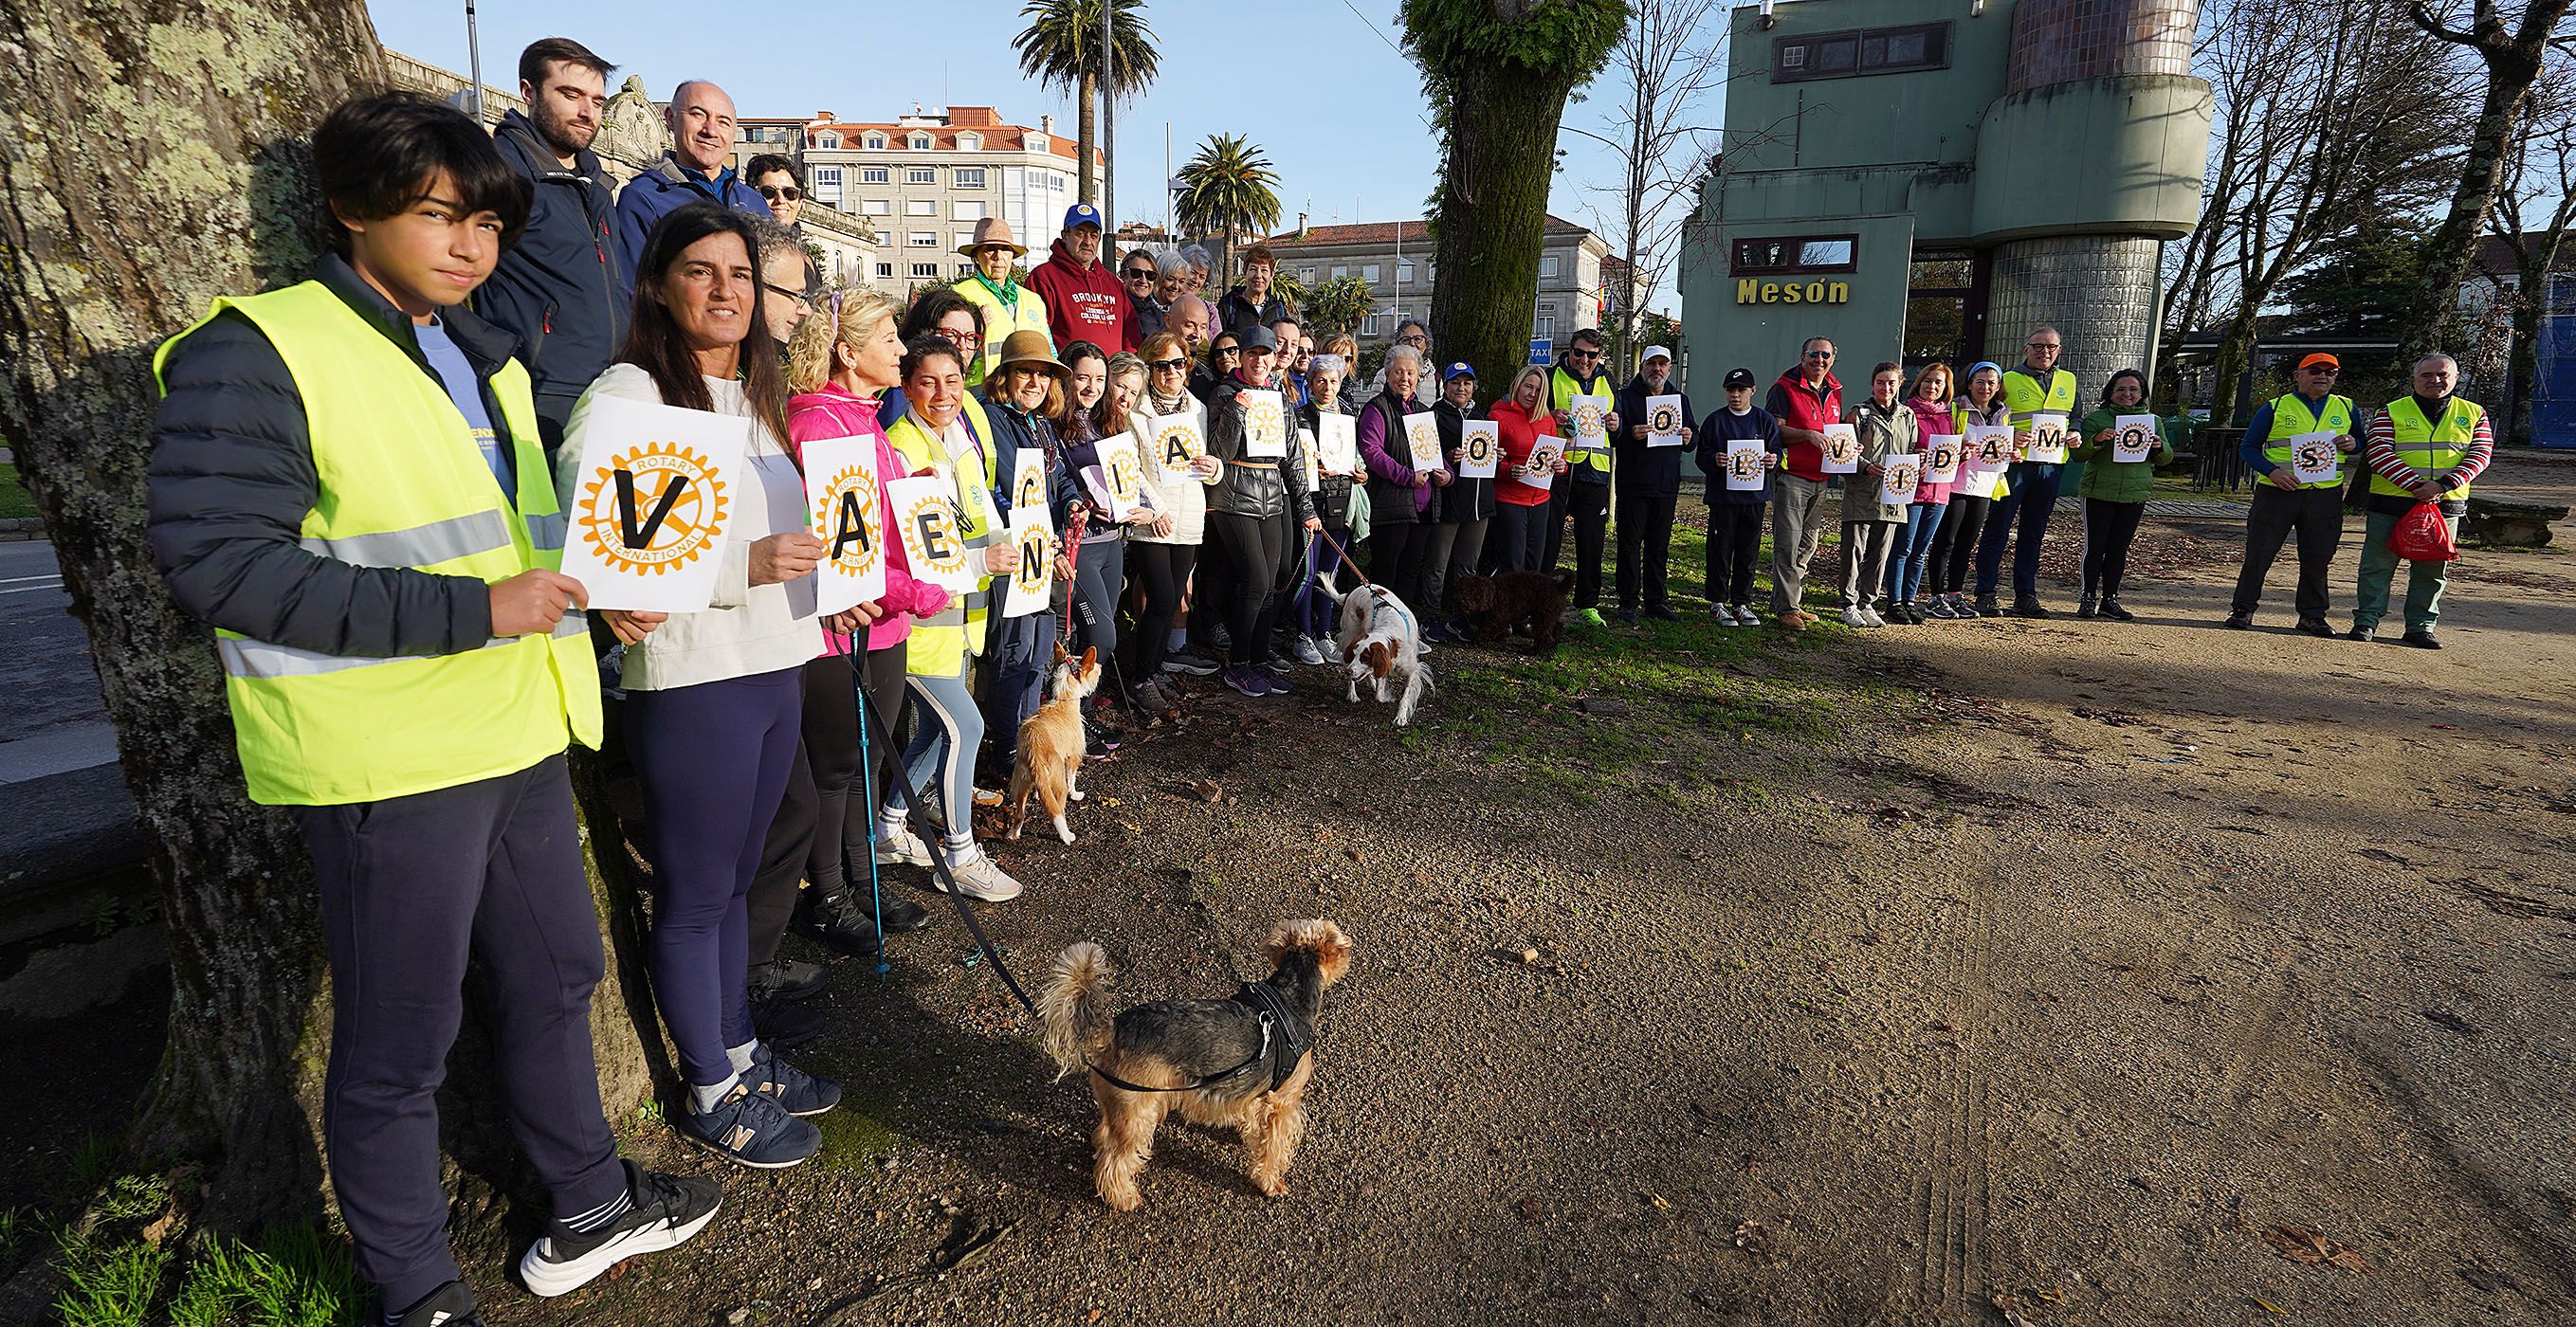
[(1381, 639)]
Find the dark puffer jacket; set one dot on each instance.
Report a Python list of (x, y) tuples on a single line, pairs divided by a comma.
[(1464, 499), (557, 287), (1255, 488)]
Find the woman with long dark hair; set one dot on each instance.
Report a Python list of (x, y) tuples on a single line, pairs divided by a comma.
[(714, 698)]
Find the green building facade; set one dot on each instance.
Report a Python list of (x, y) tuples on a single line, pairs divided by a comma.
[(1928, 180)]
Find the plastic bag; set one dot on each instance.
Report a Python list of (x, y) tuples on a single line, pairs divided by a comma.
[(2422, 535)]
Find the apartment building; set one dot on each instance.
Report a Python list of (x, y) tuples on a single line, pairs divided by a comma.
[(1576, 273)]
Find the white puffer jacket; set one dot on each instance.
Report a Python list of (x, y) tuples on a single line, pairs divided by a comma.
[(1180, 494)]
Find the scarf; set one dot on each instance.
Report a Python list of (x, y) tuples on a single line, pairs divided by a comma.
[(1008, 292)]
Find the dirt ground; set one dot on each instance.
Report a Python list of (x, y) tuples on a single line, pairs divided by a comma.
[(1977, 972)]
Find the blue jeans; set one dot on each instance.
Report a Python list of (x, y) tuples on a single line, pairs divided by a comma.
[(2033, 496), (1913, 550)]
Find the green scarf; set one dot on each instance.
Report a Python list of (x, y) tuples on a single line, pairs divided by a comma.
[(1008, 292)]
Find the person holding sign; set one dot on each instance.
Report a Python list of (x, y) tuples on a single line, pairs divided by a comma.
[(2313, 423), (1163, 555), (1649, 481), (1980, 406), (2115, 491), (1587, 414), (408, 698), (937, 442), (1251, 504), (1459, 512), (1936, 436), (1736, 490), (1109, 481), (1399, 496), (1327, 419), (1019, 642), (1804, 400), (839, 362), (1533, 458), (2037, 388), (1884, 427)]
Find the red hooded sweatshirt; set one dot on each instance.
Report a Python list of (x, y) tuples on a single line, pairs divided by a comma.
[(1084, 304), (1796, 406)]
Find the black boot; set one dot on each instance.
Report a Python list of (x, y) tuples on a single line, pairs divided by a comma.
[(2111, 609)]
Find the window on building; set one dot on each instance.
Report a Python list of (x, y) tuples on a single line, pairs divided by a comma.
[(921, 207), (1944, 311), (968, 177), (885, 271), (1305, 276), (970, 142), (1404, 273), (1375, 325), (827, 184), (964, 270), (1860, 51), (1369, 272), (1547, 266), (877, 207), (969, 209), (921, 175), (875, 175), (920, 142), (1340, 270), (1545, 328), (923, 239), (1796, 253), (875, 143), (925, 271), (827, 138)]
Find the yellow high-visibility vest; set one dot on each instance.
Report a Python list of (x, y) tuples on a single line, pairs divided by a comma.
[(2427, 445), (403, 485), (2024, 397), (1561, 391), (2291, 417), (938, 645)]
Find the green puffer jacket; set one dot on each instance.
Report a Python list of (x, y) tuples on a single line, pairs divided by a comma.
[(2116, 481)]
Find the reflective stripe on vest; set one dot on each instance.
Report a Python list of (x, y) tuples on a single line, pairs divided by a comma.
[(2291, 417), (2025, 397), (2429, 446), (1561, 391), (403, 485)]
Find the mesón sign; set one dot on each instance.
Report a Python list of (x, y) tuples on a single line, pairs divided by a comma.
[(1754, 290)]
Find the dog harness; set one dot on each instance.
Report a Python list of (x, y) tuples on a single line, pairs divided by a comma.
[(1285, 1041)]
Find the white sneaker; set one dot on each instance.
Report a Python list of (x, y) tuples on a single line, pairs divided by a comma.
[(1330, 648), (1307, 653), (977, 877), (1744, 616), (1855, 617), (897, 845), (1726, 616), (1872, 618)]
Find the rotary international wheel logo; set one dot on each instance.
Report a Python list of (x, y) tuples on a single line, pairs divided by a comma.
[(1037, 559), (1125, 482), (2316, 454), (1745, 465), (2047, 435), (1266, 424), (1944, 457), (1177, 444), (848, 501), (2136, 437), (1901, 476), (1587, 415), (932, 519), (1479, 449), (654, 509), (1665, 421), (1841, 447)]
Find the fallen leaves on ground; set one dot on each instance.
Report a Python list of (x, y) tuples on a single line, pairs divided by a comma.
[(2309, 1247)]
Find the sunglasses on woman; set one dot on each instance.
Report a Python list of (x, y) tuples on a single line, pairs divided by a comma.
[(1229, 350), (774, 192), (1134, 273), (1166, 365)]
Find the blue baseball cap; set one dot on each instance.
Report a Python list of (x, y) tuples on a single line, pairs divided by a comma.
[(1082, 214), (1461, 369)]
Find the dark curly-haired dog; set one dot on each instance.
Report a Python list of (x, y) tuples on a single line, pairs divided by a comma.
[(1492, 604)]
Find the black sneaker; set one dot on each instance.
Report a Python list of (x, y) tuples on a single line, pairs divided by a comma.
[(784, 978), (2244, 621), (451, 1305), (1988, 607), (2422, 640), (1183, 661), (2030, 608), (2112, 609), (1627, 617), (901, 917), (2316, 626), (668, 1211), (798, 1092), (1663, 613), (842, 922), (2084, 607), (786, 1025), (1276, 677), (750, 1128)]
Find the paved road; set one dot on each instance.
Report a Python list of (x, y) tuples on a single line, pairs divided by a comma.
[(71, 816)]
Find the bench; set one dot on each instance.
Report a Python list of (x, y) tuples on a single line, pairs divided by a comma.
[(2510, 522)]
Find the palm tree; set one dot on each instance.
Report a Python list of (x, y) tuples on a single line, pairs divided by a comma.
[(1061, 49), (1339, 305), (1228, 189)]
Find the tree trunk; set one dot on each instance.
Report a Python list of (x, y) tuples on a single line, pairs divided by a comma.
[(2454, 247), (1499, 160), (1087, 142), (214, 100)]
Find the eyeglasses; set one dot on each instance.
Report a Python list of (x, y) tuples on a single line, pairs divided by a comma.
[(1820, 354), (2321, 370), (1229, 350), (1133, 273), (956, 337), (774, 192), (784, 293), (2041, 345), (1417, 339), (1166, 365)]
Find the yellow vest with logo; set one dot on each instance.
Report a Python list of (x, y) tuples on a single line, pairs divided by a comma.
[(403, 485), (2427, 445), (1561, 391), (2024, 397), (2291, 417), (1027, 313), (938, 645)]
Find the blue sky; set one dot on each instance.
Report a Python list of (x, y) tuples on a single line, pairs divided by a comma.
[(1339, 111)]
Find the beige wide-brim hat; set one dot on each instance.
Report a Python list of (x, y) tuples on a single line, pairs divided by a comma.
[(993, 230), (1029, 348)]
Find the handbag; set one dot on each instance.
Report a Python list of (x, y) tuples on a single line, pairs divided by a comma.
[(2423, 535)]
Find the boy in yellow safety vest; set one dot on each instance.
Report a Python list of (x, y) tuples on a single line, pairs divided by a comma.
[(347, 482)]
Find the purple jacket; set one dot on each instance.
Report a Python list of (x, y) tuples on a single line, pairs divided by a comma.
[(1380, 432)]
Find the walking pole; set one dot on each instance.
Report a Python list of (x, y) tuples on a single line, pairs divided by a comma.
[(868, 792), (473, 64)]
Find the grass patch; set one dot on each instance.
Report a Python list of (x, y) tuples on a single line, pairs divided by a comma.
[(14, 500)]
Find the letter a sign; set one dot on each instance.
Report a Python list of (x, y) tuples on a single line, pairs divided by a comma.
[(651, 504), (841, 495)]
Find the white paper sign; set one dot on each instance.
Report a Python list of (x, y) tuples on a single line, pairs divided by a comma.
[(1265, 425), (1989, 446), (1174, 442), (1422, 441), (654, 504), (2133, 437), (2314, 458), (1028, 482), (2047, 439), (1540, 470), (934, 538), (841, 495), (1034, 536), (1591, 423), (1941, 462), (1745, 462), (1976, 481), (1897, 474), (1122, 475), (1480, 448), (1338, 441), (1664, 421), (1841, 449), (1306, 459)]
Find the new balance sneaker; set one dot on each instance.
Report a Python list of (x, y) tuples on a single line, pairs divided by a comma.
[(451, 1305), (1276, 678), (667, 1211), (798, 1092), (1247, 681), (1308, 652), (977, 877), (1183, 661), (897, 845), (750, 1128)]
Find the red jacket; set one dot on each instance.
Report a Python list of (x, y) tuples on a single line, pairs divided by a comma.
[(1519, 438), (1084, 303), (1794, 404)]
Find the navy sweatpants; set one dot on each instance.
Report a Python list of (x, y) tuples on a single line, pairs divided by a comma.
[(714, 759), (411, 887)]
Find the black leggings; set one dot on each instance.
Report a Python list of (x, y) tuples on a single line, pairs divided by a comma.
[(1398, 548), (841, 827), (1254, 545), (1954, 545), (1163, 572), (2109, 529)]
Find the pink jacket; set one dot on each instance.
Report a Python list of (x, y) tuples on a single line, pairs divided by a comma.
[(1931, 418), (833, 412)]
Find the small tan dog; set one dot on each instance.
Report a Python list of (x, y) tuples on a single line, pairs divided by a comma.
[(1051, 743), (1241, 1063)]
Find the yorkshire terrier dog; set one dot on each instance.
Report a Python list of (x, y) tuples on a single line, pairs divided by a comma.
[(1051, 745), (1242, 1062)]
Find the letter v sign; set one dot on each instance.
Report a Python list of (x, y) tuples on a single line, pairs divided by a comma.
[(626, 528)]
